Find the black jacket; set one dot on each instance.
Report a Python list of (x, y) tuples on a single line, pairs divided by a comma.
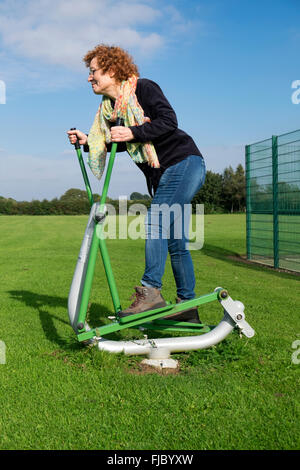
[(171, 143)]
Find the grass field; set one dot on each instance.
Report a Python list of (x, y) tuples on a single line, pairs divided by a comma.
[(56, 394)]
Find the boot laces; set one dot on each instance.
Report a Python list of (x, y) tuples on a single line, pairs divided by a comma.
[(138, 297)]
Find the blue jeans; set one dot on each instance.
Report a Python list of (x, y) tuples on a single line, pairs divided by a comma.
[(167, 227)]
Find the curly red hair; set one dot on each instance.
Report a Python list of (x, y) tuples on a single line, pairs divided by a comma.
[(112, 58)]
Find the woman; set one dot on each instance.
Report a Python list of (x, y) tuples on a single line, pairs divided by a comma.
[(169, 158)]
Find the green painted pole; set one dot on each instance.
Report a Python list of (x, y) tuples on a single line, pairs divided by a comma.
[(83, 170), (102, 243), (108, 270), (108, 175), (248, 201), (275, 201), (97, 239)]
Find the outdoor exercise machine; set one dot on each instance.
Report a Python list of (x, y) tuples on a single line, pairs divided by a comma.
[(78, 301)]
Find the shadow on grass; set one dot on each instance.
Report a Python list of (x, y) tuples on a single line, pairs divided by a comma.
[(97, 316), (40, 302), (235, 259)]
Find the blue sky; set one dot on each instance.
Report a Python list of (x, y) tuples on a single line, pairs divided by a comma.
[(226, 66)]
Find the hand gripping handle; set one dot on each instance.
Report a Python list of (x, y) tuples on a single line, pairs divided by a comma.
[(119, 122), (77, 144)]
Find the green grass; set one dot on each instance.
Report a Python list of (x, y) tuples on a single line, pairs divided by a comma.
[(57, 394)]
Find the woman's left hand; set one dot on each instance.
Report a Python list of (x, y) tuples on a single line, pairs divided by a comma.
[(121, 134)]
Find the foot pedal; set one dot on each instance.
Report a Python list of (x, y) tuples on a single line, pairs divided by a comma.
[(235, 309)]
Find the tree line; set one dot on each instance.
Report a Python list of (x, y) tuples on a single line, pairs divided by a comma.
[(223, 193), (220, 193)]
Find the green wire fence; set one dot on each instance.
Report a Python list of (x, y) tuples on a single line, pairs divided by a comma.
[(273, 201)]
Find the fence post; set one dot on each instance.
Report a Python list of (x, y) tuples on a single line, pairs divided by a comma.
[(248, 201), (275, 199)]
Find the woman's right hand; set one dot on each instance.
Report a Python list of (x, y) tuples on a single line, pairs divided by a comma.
[(77, 135)]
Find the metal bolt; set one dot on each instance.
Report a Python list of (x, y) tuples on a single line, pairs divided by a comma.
[(239, 316)]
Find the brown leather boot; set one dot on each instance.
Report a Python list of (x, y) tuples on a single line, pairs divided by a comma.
[(190, 315), (147, 298)]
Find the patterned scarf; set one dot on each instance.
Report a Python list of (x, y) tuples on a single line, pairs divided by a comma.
[(128, 108)]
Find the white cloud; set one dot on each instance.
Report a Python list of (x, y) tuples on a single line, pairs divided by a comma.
[(183, 26), (59, 33), (42, 42)]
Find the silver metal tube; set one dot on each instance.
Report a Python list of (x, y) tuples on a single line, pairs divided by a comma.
[(186, 343), (76, 288)]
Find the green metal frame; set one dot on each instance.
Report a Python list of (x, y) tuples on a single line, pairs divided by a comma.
[(149, 319), (248, 203), (98, 240), (142, 319), (275, 199), (85, 176)]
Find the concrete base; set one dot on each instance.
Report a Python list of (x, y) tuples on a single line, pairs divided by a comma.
[(161, 363), (159, 358)]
